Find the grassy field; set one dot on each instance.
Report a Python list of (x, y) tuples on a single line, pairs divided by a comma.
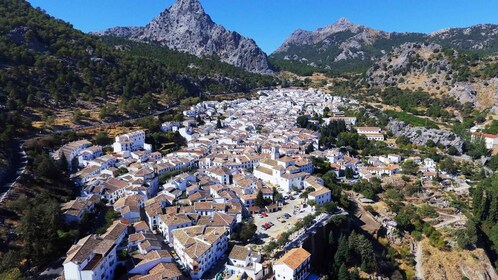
[(412, 120)]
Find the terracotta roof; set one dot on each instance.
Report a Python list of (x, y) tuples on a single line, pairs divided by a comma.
[(294, 258)]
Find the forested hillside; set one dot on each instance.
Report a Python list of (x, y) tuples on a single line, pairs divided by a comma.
[(47, 65)]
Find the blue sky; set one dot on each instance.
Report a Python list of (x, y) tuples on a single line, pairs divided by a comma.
[(270, 22)]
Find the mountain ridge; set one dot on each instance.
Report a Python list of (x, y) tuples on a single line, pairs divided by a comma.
[(332, 46), (186, 27)]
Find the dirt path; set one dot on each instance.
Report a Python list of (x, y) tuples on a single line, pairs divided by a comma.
[(454, 219), (419, 273)]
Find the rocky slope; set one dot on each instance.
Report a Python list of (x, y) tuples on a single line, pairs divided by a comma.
[(343, 42), (420, 135), (186, 27), (429, 67), (455, 264)]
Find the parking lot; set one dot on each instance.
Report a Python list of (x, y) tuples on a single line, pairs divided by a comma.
[(295, 208)]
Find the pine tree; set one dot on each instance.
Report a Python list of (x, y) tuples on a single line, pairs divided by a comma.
[(64, 165), (343, 273), (260, 201), (477, 202), (342, 254)]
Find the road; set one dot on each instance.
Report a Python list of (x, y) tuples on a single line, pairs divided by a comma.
[(20, 159), (16, 170), (419, 273), (454, 219)]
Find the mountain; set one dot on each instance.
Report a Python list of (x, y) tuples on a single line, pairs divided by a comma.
[(49, 71), (186, 27), (468, 78), (344, 46)]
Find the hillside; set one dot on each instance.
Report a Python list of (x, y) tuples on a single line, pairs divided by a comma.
[(186, 27), (348, 47), (46, 65), (454, 264), (442, 72), (53, 76)]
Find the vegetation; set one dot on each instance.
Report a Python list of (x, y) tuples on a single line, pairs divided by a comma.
[(246, 231), (237, 79), (412, 120), (47, 66)]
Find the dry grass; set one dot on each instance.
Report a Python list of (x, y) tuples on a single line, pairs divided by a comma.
[(455, 264)]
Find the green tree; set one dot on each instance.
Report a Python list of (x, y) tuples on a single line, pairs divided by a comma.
[(343, 273), (452, 151), (477, 148), (260, 201), (349, 173), (493, 163), (247, 231), (102, 139), (409, 167), (63, 163), (341, 256), (310, 148), (45, 167), (493, 235), (449, 165), (467, 237), (302, 121)]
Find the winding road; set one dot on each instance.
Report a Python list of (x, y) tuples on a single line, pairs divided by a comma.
[(14, 173)]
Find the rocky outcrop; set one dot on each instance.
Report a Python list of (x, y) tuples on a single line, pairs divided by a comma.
[(421, 61), (420, 135), (186, 27), (463, 92)]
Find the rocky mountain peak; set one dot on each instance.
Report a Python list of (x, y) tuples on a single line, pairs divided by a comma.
[(186, 27), (341, 24), (187, 6)]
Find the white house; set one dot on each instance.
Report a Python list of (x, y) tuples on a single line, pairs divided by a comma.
[(146, 262), (71, 150), (282, 172), (89, 153), (245, 261), (320, 196), (91, 258), (170, 126), (294, 265), (430, 164), (200, 247), (490, 139), (170, 222), (75, 210), (221, 174), (131, 142), (372, 133)]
